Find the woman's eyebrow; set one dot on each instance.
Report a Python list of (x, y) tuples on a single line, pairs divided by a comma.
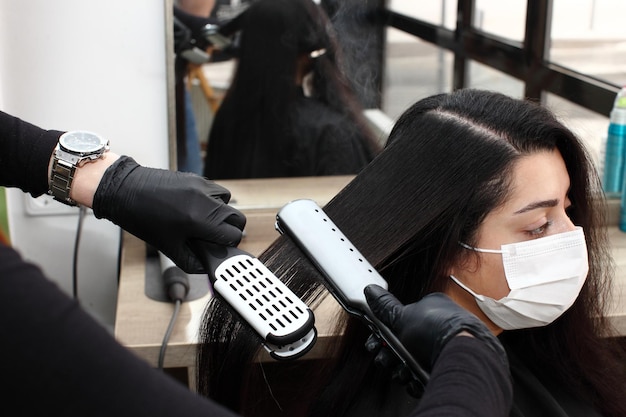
[(538, 204)]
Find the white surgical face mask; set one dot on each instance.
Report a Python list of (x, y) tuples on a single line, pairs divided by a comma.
[(545, 276)]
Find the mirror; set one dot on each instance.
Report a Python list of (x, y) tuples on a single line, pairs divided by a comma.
[(194, 89), (207, 82)]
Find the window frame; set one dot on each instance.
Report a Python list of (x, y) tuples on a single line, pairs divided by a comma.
[(526, 60)]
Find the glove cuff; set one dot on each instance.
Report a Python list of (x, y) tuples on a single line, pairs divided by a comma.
[(104, 201)]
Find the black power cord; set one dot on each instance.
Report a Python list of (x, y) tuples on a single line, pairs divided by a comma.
[(81, 217), (176, 284)]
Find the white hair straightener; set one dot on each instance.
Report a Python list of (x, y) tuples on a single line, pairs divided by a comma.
[(346, 271), (284, 322)]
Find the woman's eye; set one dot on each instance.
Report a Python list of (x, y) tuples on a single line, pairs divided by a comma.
[(541, 230)]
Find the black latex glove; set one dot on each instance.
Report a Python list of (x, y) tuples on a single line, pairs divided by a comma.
[(182, 36), (176, 212), (424, 328), (188, 30)]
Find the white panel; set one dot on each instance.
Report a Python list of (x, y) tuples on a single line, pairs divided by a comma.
[(98, 65), (88, 64)]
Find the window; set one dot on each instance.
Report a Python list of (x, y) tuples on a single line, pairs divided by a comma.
[(414, 69), (589, 36), (491, 33), (487, 78), (437, 12), (591, 127), (501, 18)]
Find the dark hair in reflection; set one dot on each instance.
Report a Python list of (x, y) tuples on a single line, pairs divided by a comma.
[(265, 127), (447, 164)]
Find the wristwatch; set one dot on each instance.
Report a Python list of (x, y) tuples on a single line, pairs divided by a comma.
[(74, 149)]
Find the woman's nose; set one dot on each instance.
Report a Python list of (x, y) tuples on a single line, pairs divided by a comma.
[(564, 224)]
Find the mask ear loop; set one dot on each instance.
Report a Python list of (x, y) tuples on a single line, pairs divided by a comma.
[(463, 286), (466, 246), (317, 53)]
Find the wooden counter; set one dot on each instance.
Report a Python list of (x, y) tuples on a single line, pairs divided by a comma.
[(141, 322)]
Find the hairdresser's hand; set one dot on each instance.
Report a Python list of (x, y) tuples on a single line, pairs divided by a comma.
[(173, 211), (424, 327)]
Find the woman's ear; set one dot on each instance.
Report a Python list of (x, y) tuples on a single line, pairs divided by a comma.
[(466, 261)]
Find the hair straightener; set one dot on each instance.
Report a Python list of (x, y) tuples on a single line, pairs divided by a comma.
[(284, 322), (346, 271)]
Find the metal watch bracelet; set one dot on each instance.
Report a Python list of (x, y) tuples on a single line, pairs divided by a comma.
[(61, 179)]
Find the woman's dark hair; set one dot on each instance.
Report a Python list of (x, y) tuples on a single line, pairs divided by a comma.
[(448, 163), (253, 133)]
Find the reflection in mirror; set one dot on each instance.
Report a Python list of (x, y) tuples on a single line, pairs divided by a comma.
[(289, 110), (199, 37)]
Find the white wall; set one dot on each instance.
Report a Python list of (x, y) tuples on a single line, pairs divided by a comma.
[(98, 65)]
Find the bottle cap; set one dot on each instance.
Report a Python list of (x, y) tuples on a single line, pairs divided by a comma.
[(618, 114)]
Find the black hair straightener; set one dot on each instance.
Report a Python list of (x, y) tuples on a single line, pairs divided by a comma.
[(284, 322), (346, 271)]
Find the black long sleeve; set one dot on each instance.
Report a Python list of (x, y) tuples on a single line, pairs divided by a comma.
[(193, 22), (468, 380), (56, 359), (25, 151)]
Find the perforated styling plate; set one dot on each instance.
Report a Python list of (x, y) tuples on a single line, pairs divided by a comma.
[(286, 324), (271, 307)]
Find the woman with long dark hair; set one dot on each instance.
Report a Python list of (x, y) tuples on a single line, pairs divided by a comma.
[(468, 182), (289, 111)]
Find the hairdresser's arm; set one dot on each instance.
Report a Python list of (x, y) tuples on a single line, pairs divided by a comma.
[(57, 360), (176, 212), (195, 22), (26, 156), (467, 380), (25, 152), (469, 367)]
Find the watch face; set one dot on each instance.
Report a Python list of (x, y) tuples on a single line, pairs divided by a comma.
[(81, 142)]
